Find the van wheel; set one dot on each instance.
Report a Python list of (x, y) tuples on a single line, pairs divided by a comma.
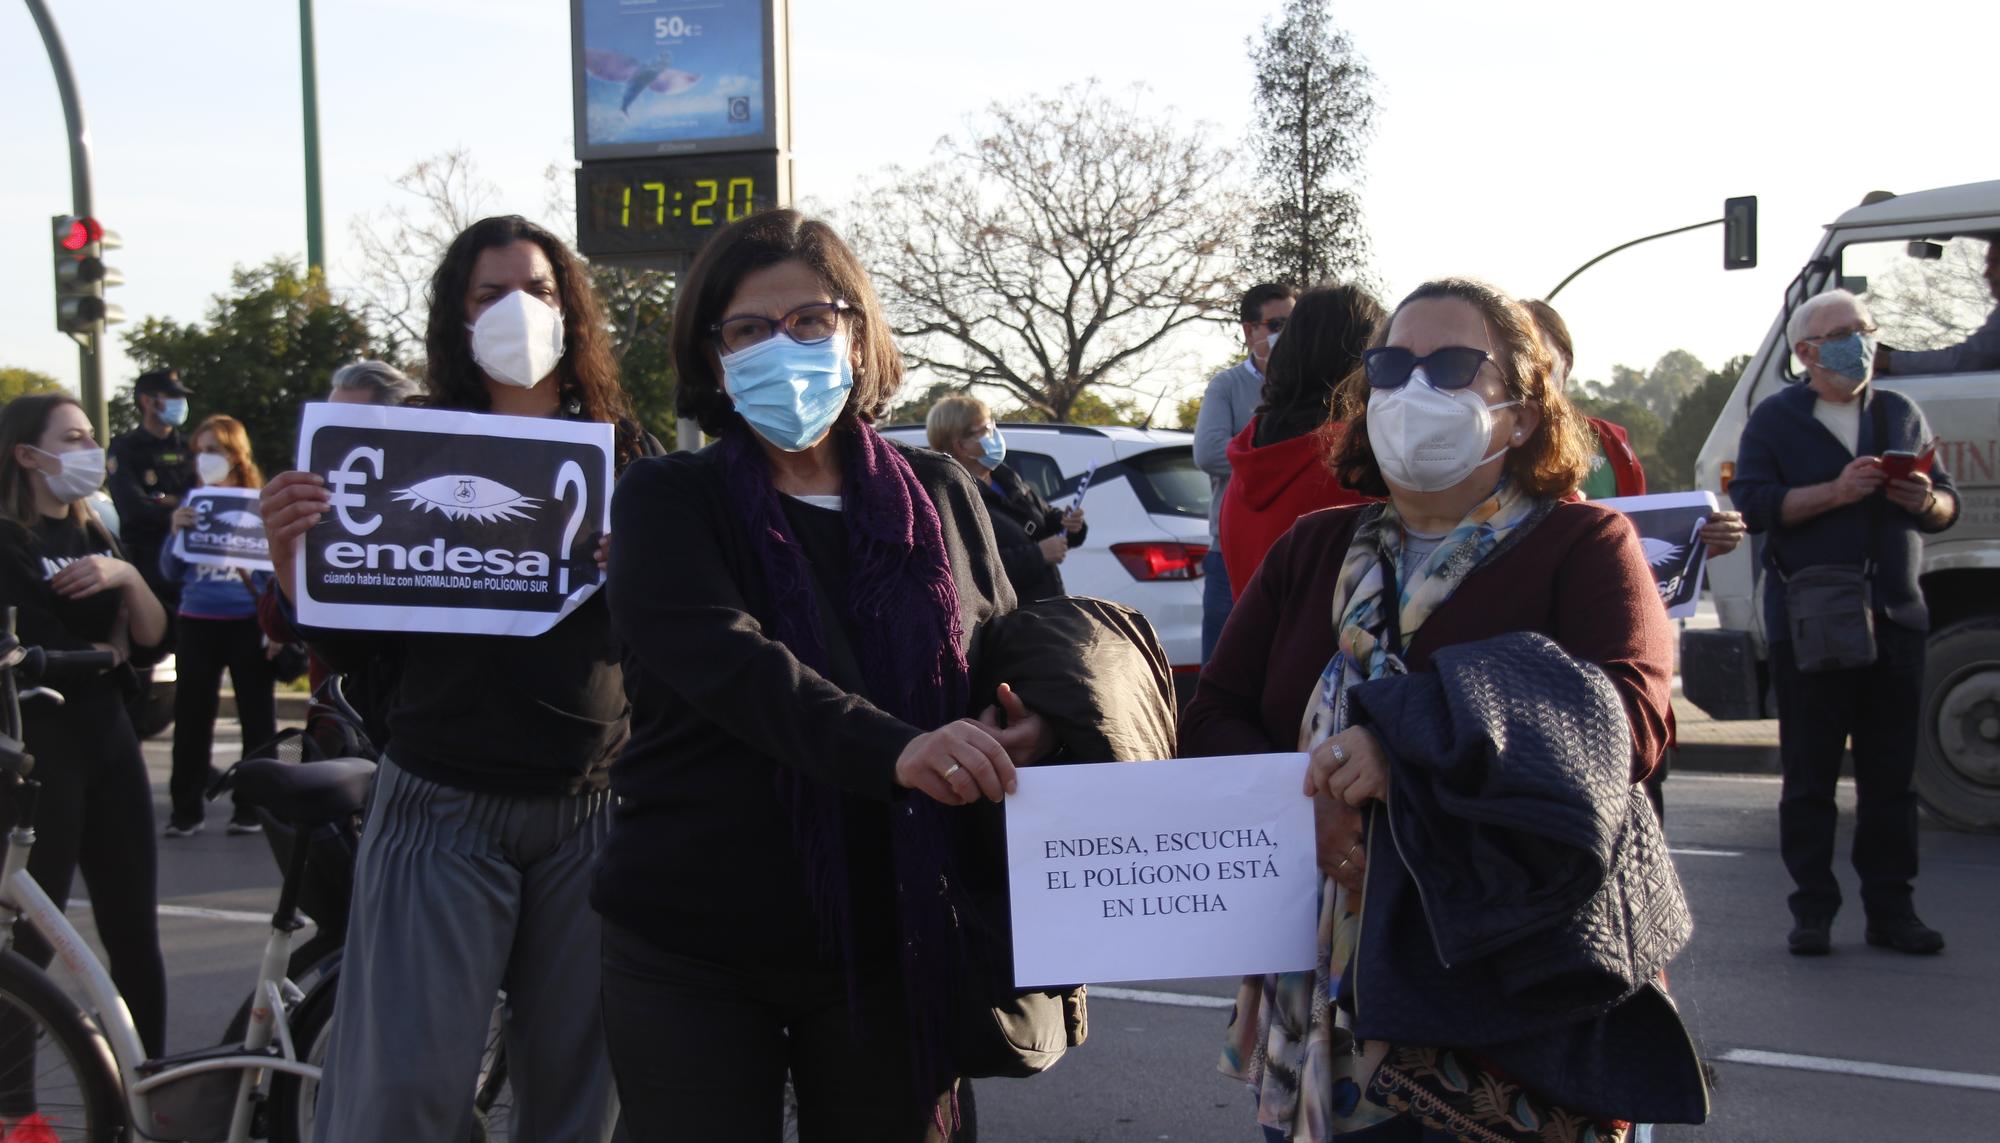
[(1958, 765)]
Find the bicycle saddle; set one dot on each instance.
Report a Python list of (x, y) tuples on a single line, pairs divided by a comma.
[(305, 794)]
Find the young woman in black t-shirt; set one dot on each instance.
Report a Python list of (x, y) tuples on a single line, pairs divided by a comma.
[(62, 573)]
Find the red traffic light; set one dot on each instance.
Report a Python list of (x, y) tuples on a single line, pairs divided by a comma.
[(77, 233)]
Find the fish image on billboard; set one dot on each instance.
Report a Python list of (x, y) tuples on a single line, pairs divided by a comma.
[(637, 78), (458, 497)]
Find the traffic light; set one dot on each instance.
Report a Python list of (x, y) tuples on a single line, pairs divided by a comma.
[(82, 277)]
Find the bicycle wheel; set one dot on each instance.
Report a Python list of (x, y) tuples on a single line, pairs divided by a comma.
[(57, 1077)]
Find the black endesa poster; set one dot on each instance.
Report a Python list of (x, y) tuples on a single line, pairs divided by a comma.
[(1667, 524), (227, 531), (467, 523)]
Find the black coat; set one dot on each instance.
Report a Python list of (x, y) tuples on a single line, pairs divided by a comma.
[(1022, 519), (1520, 899)]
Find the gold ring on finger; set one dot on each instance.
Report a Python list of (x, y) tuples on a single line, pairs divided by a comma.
[(951, 769)]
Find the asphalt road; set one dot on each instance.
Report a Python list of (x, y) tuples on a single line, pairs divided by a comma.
[(1148, 1071)]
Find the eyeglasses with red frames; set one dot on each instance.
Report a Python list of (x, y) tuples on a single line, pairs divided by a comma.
[(809, 324)]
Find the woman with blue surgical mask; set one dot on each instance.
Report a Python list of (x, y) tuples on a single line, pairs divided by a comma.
[(490, 807), (799, 600), (1034, 538)]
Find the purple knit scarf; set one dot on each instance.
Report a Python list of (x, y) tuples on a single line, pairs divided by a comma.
[(904, 607)]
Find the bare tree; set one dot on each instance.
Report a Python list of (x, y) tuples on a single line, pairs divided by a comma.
[(1930, 305), (401, 244), (1056, 246)]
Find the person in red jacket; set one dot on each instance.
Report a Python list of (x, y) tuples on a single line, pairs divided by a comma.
[(1278, 462)]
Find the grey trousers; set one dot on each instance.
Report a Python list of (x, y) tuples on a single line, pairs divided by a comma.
[(458, 895)]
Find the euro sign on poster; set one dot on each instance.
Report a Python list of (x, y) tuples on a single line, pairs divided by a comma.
[(1669, 524), (227, 531), (460, 523)]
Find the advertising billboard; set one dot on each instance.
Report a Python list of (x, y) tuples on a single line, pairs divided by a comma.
[(674, 77)]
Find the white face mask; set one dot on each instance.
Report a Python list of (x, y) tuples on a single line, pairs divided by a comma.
[(1426, 439), (518, 340), (212, 467), (82, 473)]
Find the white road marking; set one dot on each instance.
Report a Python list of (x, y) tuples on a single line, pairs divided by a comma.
[(1172, 999), (1697, 851), (1932, 1076), (202, 914)]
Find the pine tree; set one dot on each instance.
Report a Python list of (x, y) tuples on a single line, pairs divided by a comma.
[(1315, 110)]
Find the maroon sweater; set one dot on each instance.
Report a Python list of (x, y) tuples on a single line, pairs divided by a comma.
[(1578, 578)]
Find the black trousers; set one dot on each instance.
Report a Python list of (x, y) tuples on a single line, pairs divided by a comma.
[(206, 647), (1877, 707), (95, 817), (701, 1050)]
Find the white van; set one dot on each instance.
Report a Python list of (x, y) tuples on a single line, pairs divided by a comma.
[(1909, 253)]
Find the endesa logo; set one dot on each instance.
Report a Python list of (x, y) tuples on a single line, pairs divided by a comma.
[(454, 496)]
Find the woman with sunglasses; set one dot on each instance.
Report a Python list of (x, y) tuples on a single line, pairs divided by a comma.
[(1454, 420), (798, 601), (1034, 537)]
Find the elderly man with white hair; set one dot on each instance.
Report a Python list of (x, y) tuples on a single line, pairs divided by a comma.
[(1844, 519)]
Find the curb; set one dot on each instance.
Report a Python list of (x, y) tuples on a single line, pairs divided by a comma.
[(1725, 758)]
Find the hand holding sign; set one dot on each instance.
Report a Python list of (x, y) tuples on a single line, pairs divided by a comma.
[(464, 523), (221, 527)]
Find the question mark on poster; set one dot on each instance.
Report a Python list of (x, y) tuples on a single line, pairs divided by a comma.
[(570, 476)]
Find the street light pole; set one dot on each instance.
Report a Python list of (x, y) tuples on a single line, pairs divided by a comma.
[(1627, 246), (89, 362), (309, 72)]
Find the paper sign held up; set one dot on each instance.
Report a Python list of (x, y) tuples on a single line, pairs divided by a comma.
[(1156, 870)]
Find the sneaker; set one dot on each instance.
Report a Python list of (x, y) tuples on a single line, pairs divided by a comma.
[(1811, 936), (179, 828), (1905, 934), (239, 826)]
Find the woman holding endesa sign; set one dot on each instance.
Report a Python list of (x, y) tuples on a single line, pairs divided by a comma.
[(488, 812), (218, 629), (73, 591), (799, 600), (1395, 642)]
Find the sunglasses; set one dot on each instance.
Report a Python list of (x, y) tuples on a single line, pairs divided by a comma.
[(1452, 367), (1275, 325)]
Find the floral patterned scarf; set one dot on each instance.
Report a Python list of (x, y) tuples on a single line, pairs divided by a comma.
[(1286, 1038)]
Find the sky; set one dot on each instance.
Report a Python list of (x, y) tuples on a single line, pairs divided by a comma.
[(1514, 142)]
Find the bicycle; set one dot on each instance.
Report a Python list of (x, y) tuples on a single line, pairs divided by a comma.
[(75, 1070)]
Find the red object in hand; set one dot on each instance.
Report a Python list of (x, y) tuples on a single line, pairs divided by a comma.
[(1899, 464)]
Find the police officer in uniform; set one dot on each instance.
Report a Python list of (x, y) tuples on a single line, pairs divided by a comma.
[(147, 471)]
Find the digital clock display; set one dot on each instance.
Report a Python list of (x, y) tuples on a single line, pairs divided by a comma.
[(669, 206)]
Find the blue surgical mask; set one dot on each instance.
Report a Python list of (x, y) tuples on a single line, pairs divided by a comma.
[(992, 448), (174, 411), (789, 393), (1852, 356)]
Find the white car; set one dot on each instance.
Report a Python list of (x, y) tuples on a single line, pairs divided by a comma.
[(1147, 505)]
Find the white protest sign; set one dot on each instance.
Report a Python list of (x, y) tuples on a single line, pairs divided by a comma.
[(466, 523), (1157, 870), (1667, 524), (227, 531)]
